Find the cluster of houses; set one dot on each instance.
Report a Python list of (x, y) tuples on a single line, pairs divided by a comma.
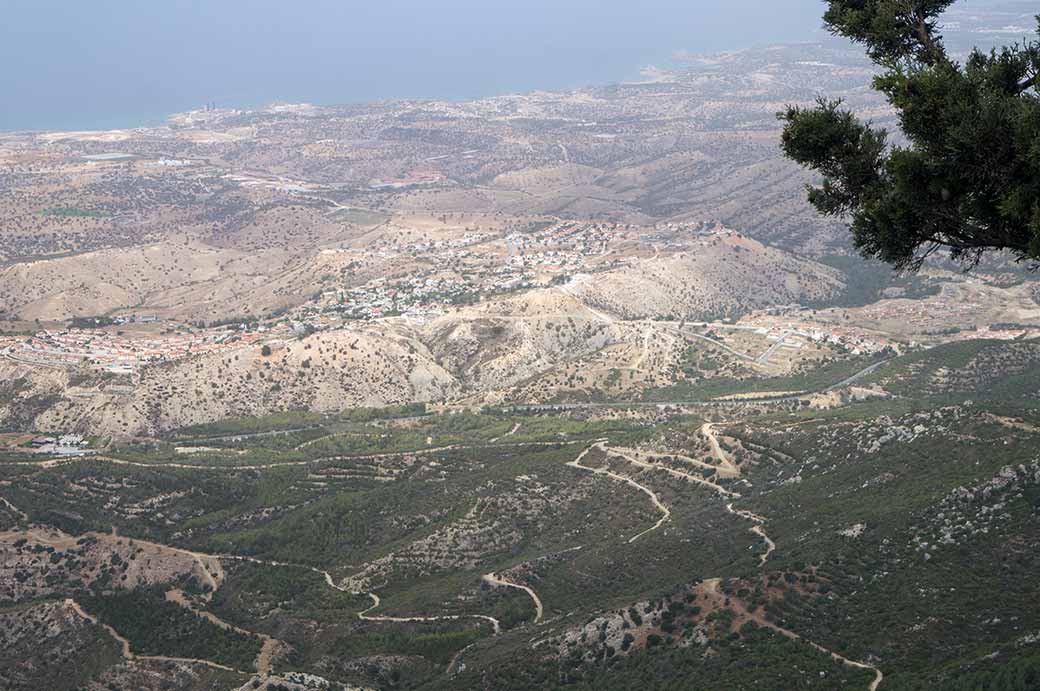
[(560, 247), (565, 261), (64, 445), (586, 239), (400, 297), (441, 249), (118, 354), (855, 343), (788, 335), (413, 179)]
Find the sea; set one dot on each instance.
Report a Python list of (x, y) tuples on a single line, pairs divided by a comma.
[(123, 63)]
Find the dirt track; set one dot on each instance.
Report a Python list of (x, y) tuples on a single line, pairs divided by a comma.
[(495, 580), (628, 456), (130, 655), (711, 589), (510, 433), (725, 462), (665, 511), (213, 573), (364, 614), (14, 509), (264, 659)]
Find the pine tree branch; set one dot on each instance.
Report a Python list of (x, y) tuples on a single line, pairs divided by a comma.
[(933, 51)]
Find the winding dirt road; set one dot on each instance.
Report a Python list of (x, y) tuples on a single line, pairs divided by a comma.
[(497, 581), (725, 462), (759, 521), (14, 509), (627, 455), (724, 459), (264, 659), (130, 655), (364, 615), (212, 571), (213, 574), (757, 529), (711, 589), (666, 513)]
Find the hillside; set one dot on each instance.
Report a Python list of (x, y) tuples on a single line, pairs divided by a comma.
[(563, 390), (714, 279), (878, 543)]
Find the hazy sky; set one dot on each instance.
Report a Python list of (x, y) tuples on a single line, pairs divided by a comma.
[(96, 63)]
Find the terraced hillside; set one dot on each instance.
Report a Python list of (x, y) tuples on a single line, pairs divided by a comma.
[(874, 544), (561, 390)]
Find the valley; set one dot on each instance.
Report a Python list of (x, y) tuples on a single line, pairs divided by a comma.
[(556, 390), (718, 529)]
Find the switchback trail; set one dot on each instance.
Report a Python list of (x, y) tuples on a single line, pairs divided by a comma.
[(364, 615), (214, 578), (264, 659), (130, 655), (711, 585), (665, 511), (627, 455), (212, 571), (711, 589), (495, 580), (725, 464), (267, 562), (724, 459), (757, 529)]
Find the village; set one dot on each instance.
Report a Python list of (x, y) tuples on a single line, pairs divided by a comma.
[(117, 352), (529, 260), (464, 270)]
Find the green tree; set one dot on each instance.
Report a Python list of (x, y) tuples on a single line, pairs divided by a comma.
[(966, 179)]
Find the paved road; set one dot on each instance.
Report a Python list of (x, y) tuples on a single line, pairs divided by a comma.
[(763, 359), (719, 344), (722, 403), (858, 375)]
